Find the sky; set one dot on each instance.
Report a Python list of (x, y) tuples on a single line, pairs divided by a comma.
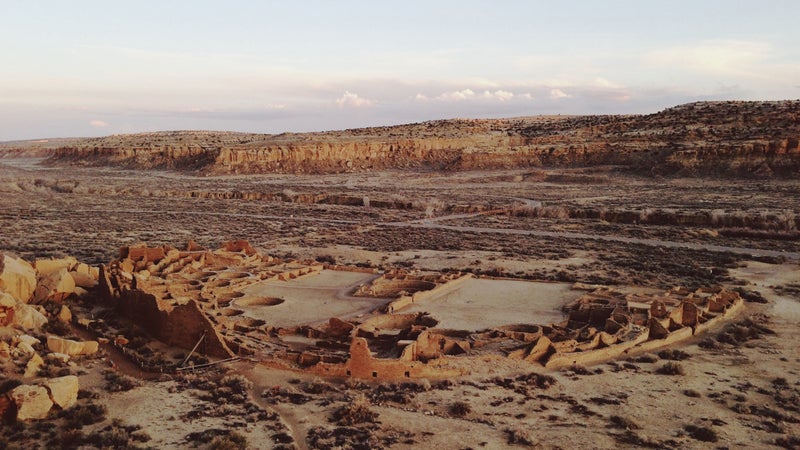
[(94, 68)]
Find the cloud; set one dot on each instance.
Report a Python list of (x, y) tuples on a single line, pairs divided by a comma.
[(98, 123), (463, 94), (499, 95), (352, 100), (558, 94)]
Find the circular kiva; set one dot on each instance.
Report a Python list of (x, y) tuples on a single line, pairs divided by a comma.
[(232, 275), (260, 301)]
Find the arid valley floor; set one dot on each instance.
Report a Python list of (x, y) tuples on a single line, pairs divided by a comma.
[(327, 258)]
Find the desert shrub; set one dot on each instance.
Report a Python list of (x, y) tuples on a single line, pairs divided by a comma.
[(233, 441), (81, 415), (355, 412), (238, 384), (117, 382), (624, 423), (68, 439), (671, 368), (460, 409), (646, 358), (673, 354), (790, 442), (704, 434), (9, 384), (315, 386), (518, 436), (691, 393)]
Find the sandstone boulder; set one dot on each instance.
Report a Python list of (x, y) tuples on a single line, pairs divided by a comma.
[(33, 402), (65, 315), (17, 277), (7, 301), (48, 266), (63, 390), (28, 317), (83, 280), (70, 347), (56, 285), (33, 366)]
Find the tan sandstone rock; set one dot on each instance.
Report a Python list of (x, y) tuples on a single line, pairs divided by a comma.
[(70, 347), (65, 315), (48, 266), (63, 390), (56, 285), (83, 280), (33, 366), (17, 277), (28, 317), (33, 402)]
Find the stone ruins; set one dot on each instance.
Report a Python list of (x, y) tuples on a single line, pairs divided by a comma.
[(234, 301)]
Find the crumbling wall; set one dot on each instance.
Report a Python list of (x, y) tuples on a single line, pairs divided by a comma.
[(180, 325)]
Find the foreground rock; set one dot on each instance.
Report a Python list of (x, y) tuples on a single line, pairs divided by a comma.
[(17, 277), (63, 390), (32, 402), (70, 347)]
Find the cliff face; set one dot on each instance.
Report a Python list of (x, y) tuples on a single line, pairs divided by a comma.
[(714, 138)]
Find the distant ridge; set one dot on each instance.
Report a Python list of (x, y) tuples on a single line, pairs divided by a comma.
[(729, 138)]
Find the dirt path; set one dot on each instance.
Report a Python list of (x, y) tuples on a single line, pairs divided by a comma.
[(261, 380)]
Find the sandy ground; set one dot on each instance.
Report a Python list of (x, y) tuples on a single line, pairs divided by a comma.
[(477, 304), (311, 299)]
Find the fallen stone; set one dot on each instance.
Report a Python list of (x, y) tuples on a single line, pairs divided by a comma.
[(28, 317), (17, 278), (65, 315), (5, 350), (70, 347), (56, 285), (7, 301), (63, 390), (33, 402), (83, 280), (33, 366), (48, 266), (27, 338)]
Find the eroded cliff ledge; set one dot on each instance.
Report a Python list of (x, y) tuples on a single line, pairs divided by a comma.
[(749, 139)]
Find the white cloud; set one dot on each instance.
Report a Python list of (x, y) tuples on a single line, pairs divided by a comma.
[(463, 94), (499, 95), (558, 94), (98, 123), (527, 96), (352, 100), (421, 98)]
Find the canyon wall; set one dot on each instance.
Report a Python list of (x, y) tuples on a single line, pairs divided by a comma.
[(745, 139)]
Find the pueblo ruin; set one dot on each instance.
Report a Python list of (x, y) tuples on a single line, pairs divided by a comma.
[(224, 303)]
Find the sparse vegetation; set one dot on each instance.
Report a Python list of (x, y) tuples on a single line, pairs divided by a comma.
[(671, 368)]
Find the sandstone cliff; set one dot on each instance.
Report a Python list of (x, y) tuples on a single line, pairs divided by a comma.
[(752, 139)]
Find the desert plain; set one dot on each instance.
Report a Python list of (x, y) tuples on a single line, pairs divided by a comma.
[(550, 282)]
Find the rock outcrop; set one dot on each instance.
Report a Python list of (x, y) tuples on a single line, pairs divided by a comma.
[(751, 139)]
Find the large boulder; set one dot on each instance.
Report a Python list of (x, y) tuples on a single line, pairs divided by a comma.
[(33, 402), (70, 347), (63, 390), (17, 277), (48, 266), (28, 317), (56, 285)]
